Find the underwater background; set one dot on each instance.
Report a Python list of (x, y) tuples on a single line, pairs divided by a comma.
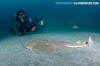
[(67, 23), (58, 17)]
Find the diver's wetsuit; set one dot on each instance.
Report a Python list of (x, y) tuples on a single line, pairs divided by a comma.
[(25, 26), (22, 22), (22, 26)]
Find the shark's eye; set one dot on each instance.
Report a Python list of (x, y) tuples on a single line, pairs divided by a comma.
[(86, 42)]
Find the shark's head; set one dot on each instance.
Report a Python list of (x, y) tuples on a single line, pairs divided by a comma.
[(90, 42)]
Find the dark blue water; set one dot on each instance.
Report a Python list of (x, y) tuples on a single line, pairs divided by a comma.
[(58, 17)]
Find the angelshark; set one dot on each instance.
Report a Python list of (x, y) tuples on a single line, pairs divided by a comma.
[(53, 46)]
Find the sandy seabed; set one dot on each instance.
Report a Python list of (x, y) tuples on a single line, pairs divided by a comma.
[(14, 53)]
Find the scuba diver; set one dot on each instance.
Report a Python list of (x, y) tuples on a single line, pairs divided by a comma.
[(25, 24)]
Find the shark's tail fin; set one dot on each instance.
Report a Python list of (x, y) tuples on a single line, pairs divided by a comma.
[(90, 41)]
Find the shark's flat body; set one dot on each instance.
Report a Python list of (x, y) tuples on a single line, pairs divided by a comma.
[(52, 46)]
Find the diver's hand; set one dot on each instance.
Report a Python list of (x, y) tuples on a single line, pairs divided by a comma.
[(34, 29)]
